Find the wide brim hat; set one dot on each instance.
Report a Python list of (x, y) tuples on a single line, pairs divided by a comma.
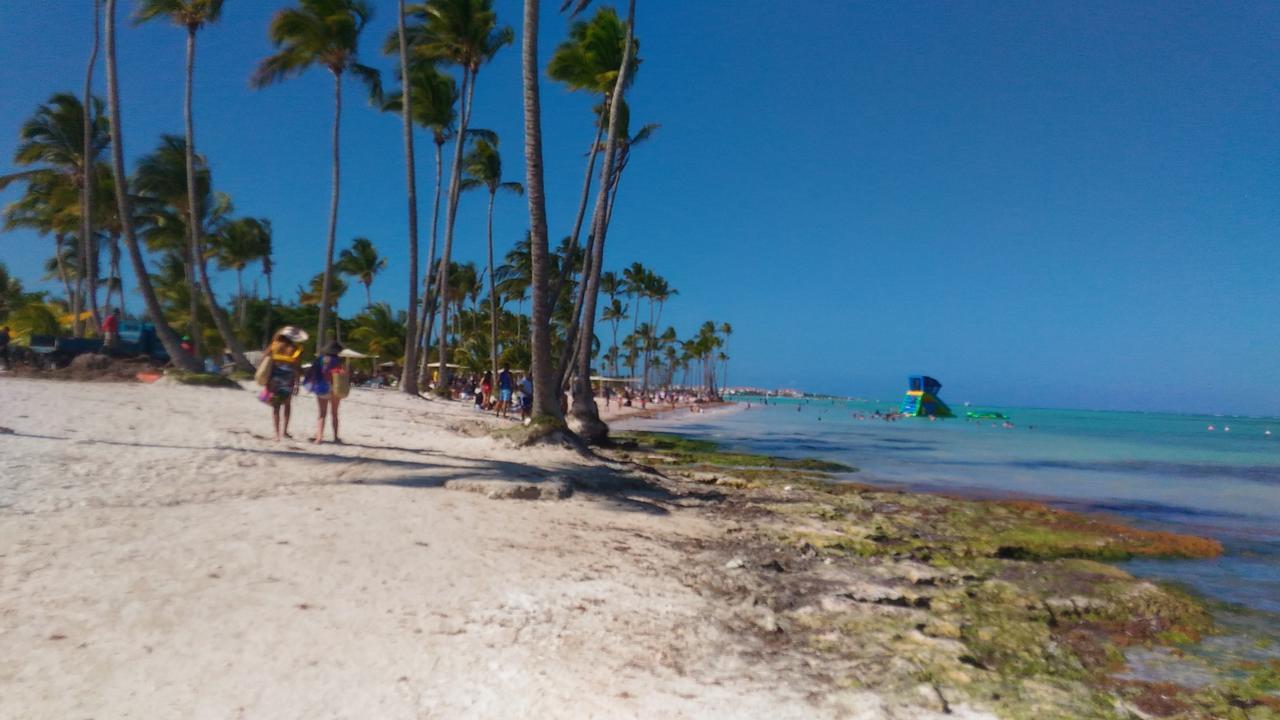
[(293, 334)]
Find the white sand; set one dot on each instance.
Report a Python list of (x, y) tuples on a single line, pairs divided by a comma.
[(161, 558)]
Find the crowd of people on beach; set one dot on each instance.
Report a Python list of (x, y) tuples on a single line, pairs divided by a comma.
[(508, 395)]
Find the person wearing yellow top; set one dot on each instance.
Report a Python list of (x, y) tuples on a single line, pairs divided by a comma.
[(286, 354)]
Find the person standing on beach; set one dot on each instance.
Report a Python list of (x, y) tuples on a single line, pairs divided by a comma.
[(324, 379), (486, 390), (111, 329), (526, 398), (286, 352), (506, 386)]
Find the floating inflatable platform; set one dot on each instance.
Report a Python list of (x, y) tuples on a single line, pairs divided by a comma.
[(922, 398)]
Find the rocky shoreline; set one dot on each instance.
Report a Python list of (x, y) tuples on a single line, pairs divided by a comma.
[(1005, 606)]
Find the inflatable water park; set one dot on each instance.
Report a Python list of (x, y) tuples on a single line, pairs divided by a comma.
[(922, 398)]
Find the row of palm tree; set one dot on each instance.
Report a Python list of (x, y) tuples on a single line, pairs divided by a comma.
[(189, 224)]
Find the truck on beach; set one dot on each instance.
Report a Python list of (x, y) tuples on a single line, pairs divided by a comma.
[(135, 339)]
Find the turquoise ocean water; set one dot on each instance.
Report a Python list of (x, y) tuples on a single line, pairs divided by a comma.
[(1156, 470)]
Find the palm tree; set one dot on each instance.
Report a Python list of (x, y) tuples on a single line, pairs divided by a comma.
[(484, 170), (87, 178), (318, 291), (726, 330), (52, 140), (380, 331), (361, 262), (48, 208), (614, 313), (181, 358), (584, 406), (327, 33), (194, 15), (164, 203), (434, 97), (238, 243), (463, 33), (267, 267), (408, 376), (589, 60)]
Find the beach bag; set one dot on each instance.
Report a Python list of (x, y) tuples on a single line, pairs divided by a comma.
[(263, 373), (341, 384)]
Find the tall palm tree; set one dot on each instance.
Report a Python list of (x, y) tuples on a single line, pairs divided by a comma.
[(409, 374), (326, 33), (362, 262), (86, 177), (546, 392), (726, 330), (181, 358), (434, 99), (484, 170), (267, 267), (464, 33), (585, 413), (589, 61), (52, 144), (192, 15)]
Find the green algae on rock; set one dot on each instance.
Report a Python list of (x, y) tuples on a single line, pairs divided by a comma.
[(1008, 606)]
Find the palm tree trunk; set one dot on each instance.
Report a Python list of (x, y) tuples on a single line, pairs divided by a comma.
[(59, 240), (117, 278), (77, 297), (429, 298), (333, 213), (220, 321), (267, 322), (193, 303), (451, 214), (240, 296), (409, 375), (86, 193), (585, 413), (577, 222), (546, 394), (165, 333), (493, 298)]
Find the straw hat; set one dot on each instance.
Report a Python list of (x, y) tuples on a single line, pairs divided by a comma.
[(293, 334)]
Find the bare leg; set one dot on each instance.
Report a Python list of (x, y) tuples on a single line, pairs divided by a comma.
[(275, 420), (334, 405), (288, 411), (324, 404)]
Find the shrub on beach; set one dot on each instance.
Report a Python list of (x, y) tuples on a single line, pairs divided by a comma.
[(203, 379)]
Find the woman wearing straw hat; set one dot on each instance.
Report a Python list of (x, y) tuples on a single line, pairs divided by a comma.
[(321, 380), (285, 352)]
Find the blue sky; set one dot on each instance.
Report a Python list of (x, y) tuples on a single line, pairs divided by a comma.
[(1055, 204)]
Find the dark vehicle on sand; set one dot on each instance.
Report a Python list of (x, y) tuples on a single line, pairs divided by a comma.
[(135, 339)]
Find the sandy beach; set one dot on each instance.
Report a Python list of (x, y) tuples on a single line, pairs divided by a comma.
[(161, 557)]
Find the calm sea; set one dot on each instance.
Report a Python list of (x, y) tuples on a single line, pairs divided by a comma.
[(1159, 471)]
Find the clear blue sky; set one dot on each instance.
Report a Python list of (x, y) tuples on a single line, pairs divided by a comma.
[(1063, 204)]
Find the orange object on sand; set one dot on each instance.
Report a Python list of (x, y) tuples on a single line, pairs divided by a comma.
[(147, 376)]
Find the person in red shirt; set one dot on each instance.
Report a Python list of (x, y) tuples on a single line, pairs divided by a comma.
[(111, 329)]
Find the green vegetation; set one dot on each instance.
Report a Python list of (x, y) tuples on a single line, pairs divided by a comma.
[(676, 449), (203, 379)]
